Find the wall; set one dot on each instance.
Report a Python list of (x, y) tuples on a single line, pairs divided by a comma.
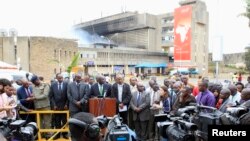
[(43, 58), (23, 52)]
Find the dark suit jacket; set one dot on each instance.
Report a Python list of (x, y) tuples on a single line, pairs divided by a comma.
[(126, 93), (59, 99), (94, 91), (74, 96), (22, 95)]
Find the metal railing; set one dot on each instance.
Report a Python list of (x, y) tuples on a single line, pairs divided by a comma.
[(55, 131)]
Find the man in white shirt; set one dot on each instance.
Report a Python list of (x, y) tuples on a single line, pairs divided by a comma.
[(235, 95), (121, 91)]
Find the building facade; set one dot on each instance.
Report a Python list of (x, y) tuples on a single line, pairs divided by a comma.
[(43, 56), (46, 56), (127, 42), (153, 33)]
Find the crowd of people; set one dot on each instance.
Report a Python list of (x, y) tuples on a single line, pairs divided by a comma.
[(142, 102)]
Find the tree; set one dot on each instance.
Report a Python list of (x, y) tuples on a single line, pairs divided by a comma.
[(247, 12), (247, 58), (74, 62)]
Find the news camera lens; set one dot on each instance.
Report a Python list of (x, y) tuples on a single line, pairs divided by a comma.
[(32, 128)]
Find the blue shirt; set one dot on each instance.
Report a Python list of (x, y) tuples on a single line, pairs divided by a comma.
[(206, 98), (166, 105)]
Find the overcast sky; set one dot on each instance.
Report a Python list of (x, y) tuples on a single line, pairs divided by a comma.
[(56, 17)]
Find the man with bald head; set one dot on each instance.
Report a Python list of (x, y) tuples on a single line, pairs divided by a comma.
[(205, 97), (235, 95), (25, 96), (133, 82), (101, 88), (224, 95)]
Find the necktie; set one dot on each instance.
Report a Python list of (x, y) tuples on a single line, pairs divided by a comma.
[(171, 98), (28, 92), (60, 88), (138, 100), (78, 89), (101, 89)]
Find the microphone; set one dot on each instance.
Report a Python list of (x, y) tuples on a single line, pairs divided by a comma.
[(105, 93)]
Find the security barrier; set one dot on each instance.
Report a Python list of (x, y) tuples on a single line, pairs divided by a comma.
[(56, 131)]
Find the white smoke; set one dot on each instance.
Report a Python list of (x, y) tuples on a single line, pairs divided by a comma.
[(85, 37)]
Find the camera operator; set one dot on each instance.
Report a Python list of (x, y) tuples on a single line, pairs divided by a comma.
[(184, 99), (85, 128)]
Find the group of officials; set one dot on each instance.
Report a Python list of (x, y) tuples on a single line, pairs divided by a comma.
[(135, 103)]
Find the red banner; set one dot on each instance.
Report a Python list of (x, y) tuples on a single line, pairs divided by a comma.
[(182, 33)]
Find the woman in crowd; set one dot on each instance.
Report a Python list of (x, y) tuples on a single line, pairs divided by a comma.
[(164, 103), (216, 89)]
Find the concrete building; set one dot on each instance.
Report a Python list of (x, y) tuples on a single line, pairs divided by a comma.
[(46, 56), (152, 33), (127, 42), (43, 56)]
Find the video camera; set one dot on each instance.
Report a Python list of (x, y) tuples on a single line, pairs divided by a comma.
[(118, 131), (236, 115), (18, 130), (176, 128)]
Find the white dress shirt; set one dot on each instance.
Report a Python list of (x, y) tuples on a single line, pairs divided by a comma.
[(236, 97), (120, 90)]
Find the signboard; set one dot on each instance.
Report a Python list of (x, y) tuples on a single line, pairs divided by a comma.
[(182, 33), (217, 49)]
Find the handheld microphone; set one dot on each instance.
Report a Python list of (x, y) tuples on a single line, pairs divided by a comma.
[(104, 94)]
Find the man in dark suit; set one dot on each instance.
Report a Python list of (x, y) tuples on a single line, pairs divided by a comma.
[(59, 100), (24, 94), (77, 95), (101, 88), (140, 104), (121, 91)]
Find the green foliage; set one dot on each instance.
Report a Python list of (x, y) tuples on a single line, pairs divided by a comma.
[(74, 62), (247, 12)]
